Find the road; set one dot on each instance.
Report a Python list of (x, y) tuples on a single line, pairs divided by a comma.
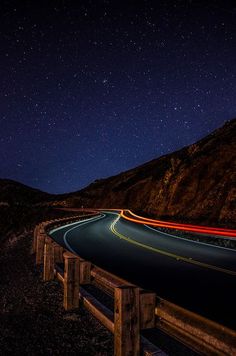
[(194, 275)]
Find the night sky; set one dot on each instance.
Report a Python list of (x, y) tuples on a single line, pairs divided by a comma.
[(91, 89)]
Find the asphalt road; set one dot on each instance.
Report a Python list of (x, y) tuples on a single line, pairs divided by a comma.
[(199, 277)]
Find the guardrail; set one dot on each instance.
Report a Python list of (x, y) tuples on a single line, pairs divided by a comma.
[(135, 309)]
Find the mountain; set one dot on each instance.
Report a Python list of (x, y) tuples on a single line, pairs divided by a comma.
[(12, 192), (194, 184)]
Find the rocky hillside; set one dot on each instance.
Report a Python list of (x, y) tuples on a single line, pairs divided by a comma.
[(195, 184)]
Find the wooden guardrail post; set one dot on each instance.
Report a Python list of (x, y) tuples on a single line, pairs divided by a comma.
[(127, 321), (48, 267), (40, 247), (58, 253), (85, 272), (36, 230), (71, 281), (147, 309)]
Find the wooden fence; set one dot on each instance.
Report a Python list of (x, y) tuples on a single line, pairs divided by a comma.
[(135, 309)]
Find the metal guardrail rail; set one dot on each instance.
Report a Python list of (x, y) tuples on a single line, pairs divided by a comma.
[(135, 309)]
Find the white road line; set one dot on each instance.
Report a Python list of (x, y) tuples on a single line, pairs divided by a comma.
[(71, 224), (82, 223), (189, 240), (109, 212)]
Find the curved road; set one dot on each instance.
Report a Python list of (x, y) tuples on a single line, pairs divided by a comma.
[(194, 275)]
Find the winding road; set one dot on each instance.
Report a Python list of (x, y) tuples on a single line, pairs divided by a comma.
[(195, 275)]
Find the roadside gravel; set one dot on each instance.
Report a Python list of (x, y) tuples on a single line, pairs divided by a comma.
[(32, 320)]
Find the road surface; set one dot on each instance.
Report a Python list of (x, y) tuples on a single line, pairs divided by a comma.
[(199, 277)]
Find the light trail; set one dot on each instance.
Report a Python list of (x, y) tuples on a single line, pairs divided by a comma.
[(183, 227), (179, 224), (231, 233)]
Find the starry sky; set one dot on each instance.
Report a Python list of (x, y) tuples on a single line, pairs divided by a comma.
[(92, 88)]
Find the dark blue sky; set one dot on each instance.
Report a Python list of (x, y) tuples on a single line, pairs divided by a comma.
[(96, 88)]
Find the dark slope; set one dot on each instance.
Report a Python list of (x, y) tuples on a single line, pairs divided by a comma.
[(12, 192)]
